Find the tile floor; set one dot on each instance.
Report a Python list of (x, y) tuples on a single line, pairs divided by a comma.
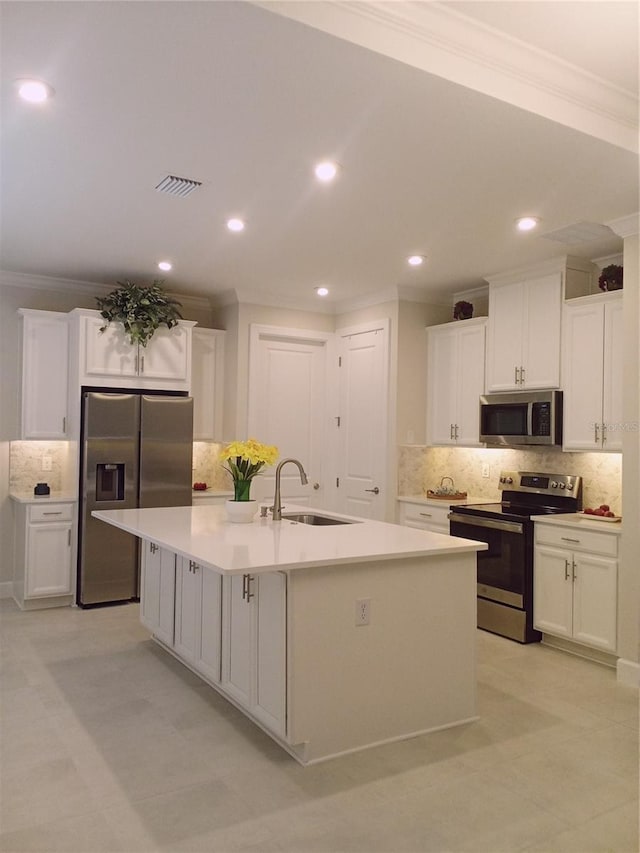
[(108, 744)]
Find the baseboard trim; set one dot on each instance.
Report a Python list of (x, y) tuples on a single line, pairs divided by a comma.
[(6, 589), (628, 672)]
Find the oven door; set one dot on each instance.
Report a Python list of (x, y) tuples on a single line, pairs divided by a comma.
[(502, 568)]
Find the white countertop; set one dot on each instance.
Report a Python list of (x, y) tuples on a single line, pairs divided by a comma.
[(579, 521), (203, 534), (54, 497), (424, 501)]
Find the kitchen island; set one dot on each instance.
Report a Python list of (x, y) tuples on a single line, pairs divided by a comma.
[(331, 638)]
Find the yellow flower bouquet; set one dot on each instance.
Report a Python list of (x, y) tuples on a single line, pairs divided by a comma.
[(244, 460)]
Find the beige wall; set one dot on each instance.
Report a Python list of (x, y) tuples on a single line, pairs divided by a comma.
[(629, 576)]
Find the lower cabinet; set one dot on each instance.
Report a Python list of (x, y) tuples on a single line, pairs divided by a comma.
[(197, 617), (231, 630), (575, 585), (158, 591), (254, 645), (424, 516), (44, 548)]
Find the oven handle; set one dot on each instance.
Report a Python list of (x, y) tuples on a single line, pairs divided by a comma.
[(474, 521)]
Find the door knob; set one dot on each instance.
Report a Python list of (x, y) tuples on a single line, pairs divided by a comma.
[(375, 490), (316, 486)]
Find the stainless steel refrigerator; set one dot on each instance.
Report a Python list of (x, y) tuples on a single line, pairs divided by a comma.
[(136, 452)]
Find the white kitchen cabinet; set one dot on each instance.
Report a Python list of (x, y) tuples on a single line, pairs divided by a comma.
[(45, 368), (198, 605), (455, 381), (157, 591), (424, 516), (44, 549), (592, 370), (523, 342), (575, 585), (254, 645), (180, 603), (207, 378), (109, 359)]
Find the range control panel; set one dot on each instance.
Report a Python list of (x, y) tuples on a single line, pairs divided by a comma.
[(540, 484)]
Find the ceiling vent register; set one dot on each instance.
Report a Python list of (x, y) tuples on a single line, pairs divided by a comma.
[(580, 232), (181, 187)]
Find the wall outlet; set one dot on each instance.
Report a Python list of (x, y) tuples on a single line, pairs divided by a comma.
[(47, 463), (485, 470), (363, 611)]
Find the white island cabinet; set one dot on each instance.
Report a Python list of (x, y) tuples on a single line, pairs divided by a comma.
[(268, 614)]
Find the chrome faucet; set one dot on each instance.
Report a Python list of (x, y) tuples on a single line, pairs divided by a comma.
[(277, 503)]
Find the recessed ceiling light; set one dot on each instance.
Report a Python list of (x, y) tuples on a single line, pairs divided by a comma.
[(326, 171), (322, 291), (35, 91), (165, 266), (415, 260), (235, 224), (527, 223)]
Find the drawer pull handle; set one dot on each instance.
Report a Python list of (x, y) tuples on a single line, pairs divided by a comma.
[(568, 539), (426, 514), (566, 570), (59, 512)]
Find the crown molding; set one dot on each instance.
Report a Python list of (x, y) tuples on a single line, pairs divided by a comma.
[(626, 226), (323, 306), (8, 278), (275, 300), (442, 41)]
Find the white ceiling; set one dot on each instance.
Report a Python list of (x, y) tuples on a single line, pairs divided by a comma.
[(246, 100)]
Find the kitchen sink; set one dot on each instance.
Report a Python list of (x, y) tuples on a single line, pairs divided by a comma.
[(312, 518)]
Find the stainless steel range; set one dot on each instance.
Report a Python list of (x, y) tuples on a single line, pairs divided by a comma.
[(505, 570)]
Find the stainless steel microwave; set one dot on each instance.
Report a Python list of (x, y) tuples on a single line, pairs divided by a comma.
[(522, 418)]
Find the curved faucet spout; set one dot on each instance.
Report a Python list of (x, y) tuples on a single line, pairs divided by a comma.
[(277, 502)]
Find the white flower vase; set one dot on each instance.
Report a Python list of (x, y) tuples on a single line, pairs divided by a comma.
[(241, 512)]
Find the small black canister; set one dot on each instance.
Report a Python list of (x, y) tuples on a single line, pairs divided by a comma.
[(41, 489)]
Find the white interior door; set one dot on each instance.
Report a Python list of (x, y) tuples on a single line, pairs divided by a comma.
[(287, 407), (363, 412)]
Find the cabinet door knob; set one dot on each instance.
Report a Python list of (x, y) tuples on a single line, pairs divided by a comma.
[(316, 486)]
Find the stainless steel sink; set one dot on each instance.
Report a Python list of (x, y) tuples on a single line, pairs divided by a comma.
[(312, 518)]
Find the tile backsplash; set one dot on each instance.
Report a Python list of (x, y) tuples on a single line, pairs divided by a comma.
[(422, 468), (206, 467), (25, 465)]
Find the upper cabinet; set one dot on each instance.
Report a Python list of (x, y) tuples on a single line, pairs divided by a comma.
[(524, 334), (207, 378), (525, 314), (45, 360), (455, 381), (592, 368), (109, 359)]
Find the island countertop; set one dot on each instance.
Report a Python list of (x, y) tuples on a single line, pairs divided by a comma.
[(203, 534)]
